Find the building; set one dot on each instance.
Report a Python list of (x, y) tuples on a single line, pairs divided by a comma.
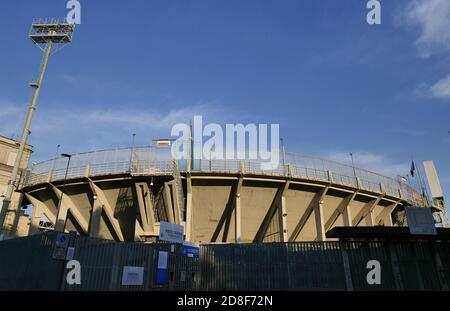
[(16, 222), (124, 194)]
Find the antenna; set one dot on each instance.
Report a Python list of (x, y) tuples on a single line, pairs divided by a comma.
[(50, 35)]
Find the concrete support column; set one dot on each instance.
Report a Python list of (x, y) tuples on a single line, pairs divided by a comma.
[(61, 220), (35, 219), (347, 216), (176, 206), (41, 208), (96, 216), (168, 201), (313, 206), (189, 212), (237, 211), (109, 212), (366, 213), (283, 220), (66, 205), (369, 218), (320, 225)]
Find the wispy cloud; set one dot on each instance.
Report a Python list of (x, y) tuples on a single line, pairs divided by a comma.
[(11, 115), (80, 129), (431, 18), (441, 89), (372, 162), (146, 120)]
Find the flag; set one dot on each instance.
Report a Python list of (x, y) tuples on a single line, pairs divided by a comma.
[(413, 168)]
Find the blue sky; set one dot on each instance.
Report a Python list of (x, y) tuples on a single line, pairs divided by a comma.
[(333, 83)]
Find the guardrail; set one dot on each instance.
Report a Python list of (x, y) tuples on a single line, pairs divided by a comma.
[(158, 161)]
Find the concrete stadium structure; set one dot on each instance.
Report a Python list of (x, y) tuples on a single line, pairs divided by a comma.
[(123, 194)]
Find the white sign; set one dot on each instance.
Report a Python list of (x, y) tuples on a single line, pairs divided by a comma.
[(133, 275), (420, 221), (162, 260), (171, 232)]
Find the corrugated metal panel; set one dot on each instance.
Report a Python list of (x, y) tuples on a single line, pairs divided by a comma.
[(417, 266), (315, 266), (27, 264), (102, 263), (359, 253)]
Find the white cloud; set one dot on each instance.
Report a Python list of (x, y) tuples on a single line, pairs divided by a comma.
[(431, 17), (441, 89), (156, 120), (371, 162), (11, 118), (80, 129)]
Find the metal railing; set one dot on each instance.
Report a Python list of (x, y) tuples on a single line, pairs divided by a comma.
[(159, 161)]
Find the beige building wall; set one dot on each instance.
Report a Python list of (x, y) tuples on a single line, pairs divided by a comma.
[(16, 223)]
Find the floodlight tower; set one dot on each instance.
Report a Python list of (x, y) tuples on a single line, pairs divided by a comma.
[(50, 35)]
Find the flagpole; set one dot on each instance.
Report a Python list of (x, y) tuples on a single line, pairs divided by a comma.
[(422, 185)]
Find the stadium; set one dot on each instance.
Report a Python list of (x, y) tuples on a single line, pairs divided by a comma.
[(123, 194)]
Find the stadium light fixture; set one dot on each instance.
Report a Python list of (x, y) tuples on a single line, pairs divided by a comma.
[(50, 35)]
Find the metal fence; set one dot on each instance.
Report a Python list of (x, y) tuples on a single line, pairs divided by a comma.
[(27, 264), (159, 161)]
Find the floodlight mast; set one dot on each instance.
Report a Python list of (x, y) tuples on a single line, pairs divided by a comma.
[(49, 34)]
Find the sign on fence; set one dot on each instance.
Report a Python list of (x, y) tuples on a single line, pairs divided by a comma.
[(133, 275), (171, 232), (191, 249), (161, 274), (61, 244)]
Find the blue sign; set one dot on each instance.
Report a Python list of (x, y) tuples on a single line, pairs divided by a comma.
[(161, 272), (191, 250)]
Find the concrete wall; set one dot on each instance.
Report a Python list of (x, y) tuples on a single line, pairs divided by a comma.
[(308, 208), (8, 154)]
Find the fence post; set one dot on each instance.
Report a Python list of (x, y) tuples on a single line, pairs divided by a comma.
[(288, 267), (346, 263), (87, 171), (395, 266), (115, 267), (330, 176), (439, 267), (358, 183)]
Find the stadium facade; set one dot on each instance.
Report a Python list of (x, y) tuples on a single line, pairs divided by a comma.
[(123, 194)]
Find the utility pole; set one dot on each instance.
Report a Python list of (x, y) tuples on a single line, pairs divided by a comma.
[(48, 35)]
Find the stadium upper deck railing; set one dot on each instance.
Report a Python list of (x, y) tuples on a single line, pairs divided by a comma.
[(159, 161)]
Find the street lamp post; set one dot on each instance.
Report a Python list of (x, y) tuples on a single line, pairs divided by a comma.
[(65, 155)]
